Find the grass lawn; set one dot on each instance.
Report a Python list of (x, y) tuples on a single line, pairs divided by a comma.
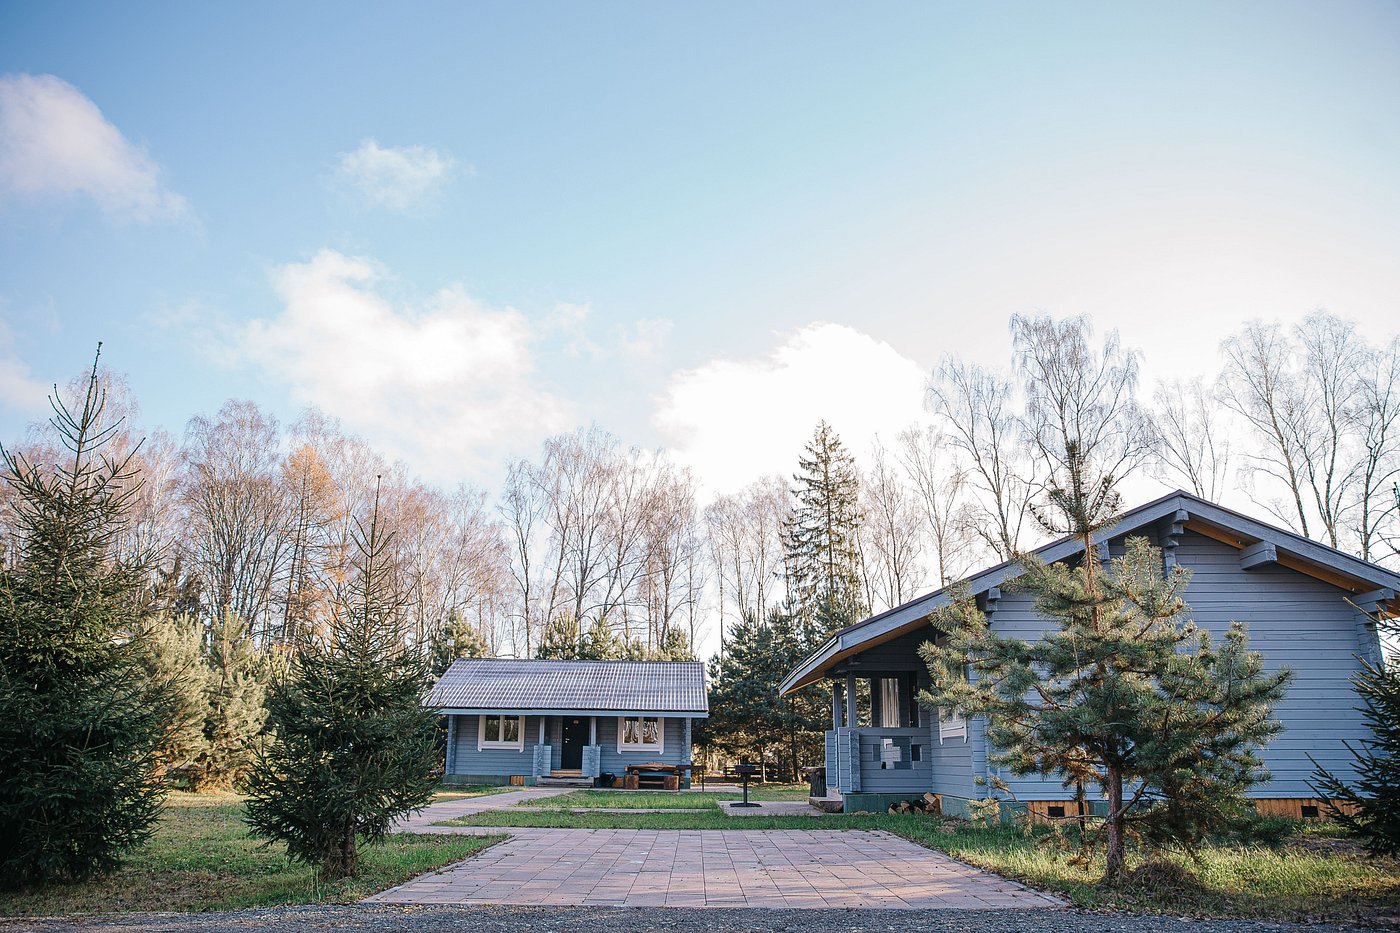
[(201, 858), (1316, 875), (662, 799), (462, 791)]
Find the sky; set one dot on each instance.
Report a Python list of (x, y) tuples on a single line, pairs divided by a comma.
[(463, 227)]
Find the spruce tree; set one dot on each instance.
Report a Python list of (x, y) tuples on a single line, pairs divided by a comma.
[(1370, 808), (1122, 692), (820, 538), (236, 705), (353, 746), (172, 654), (80, 729)]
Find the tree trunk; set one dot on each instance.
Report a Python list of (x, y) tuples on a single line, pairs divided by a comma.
[(1113, 868), (344, 862)]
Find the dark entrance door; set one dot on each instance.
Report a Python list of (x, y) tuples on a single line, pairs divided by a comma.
[(575, 738)]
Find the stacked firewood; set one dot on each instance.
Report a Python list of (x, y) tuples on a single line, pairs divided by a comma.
[(928, 804)]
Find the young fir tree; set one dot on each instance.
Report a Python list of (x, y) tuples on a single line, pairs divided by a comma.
[(1370, 808), (823, 562), (172, 654), (353, 746), (80, 729), (1122, 693), (236, 705)]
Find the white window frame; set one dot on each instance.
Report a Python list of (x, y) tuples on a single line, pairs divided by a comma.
[(482, 743), (625, 748), (952, 724)]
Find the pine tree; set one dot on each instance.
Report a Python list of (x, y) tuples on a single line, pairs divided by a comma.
[(562, 639), (674, 647), (172, 654), (352, 747), (1122, 692), (747, 716), (80, 729), (820, 538), (236, 705), (1370, 808), (457, 639)]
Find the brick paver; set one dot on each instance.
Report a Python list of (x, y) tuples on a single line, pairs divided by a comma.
[(712, 868)]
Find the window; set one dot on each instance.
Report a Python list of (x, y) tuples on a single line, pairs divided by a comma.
[(889, 703), (951, 725), (640, 734), (497, 731)]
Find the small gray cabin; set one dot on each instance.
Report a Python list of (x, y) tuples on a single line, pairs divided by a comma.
[(565, 722), (1301, 600)]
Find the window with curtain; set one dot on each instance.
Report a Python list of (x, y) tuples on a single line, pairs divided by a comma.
[(889, 703), (639, 734)]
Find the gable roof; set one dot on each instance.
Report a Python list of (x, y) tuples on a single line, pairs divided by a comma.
[(1378, 585), (506, 685)]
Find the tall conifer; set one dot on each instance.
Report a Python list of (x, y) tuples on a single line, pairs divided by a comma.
[(80, 730), (820, 540)]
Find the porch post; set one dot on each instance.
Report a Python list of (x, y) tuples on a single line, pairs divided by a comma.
[(592, 730), (852, 715), (835, 704), (542, 720)]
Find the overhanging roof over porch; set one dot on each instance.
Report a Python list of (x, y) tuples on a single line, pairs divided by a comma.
[(1348, 573)]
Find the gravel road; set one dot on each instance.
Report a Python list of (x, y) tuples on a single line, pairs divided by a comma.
[(376, 919)]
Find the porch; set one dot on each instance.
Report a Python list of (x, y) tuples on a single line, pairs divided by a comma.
[(563, 749)]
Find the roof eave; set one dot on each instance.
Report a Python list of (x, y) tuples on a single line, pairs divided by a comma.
[(854, 638)]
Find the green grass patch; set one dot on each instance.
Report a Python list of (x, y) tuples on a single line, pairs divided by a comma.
[(201, 858), (1315, 875), (626, 799), (453, 792)]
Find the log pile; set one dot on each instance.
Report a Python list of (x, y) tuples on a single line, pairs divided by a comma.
[(928, 804)]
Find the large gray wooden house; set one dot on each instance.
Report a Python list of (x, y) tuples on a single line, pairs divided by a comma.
[(1299, 598), (565, 722)]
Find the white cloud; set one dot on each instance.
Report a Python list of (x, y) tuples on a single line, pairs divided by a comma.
[(734, 420), (397, 178), (18, 390), (55, 141), (449, 387)]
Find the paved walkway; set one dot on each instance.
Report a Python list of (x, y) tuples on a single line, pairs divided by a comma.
[(711, 868), (423, 820)]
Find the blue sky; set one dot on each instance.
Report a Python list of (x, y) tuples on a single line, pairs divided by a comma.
[(702, 226)]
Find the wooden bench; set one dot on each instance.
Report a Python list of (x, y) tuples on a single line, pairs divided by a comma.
[(655, 775)]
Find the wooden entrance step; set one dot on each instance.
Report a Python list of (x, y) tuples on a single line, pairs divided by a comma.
[(564, 778)]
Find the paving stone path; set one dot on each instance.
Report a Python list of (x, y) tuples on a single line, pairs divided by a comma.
[(423, 820), (712, 868)]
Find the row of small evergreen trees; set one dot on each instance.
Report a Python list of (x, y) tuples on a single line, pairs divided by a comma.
[(100, 695)]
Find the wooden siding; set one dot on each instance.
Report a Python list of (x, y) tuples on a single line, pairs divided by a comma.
[(492, 761), (466, 759), (1294, 619)]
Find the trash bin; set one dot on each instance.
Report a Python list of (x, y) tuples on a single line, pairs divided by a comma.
[(606, 779), (816, 782)]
